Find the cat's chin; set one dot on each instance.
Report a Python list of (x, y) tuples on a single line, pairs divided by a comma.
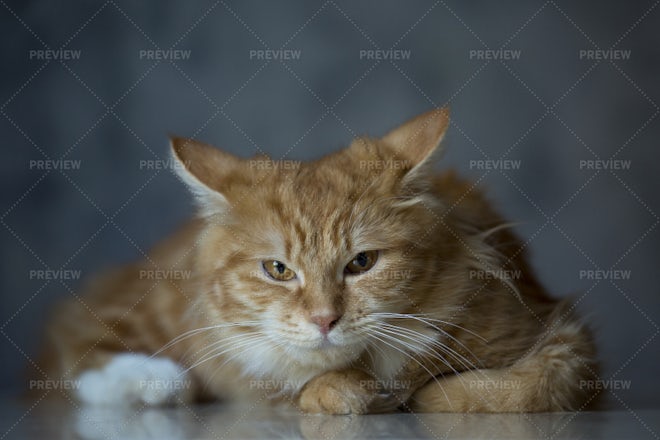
[(324, 346), (319, 345), (324, 353)]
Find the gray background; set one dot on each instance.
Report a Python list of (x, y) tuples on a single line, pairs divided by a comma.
[(549, 108)]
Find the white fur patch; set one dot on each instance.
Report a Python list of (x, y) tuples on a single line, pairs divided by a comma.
[(131, 378)]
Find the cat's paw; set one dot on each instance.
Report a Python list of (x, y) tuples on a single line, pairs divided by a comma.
[(344, 392), (131, 378)]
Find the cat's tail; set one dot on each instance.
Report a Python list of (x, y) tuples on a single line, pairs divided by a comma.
[(557, 374)]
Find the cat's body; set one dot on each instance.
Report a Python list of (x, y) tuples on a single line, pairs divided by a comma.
[(361, 282)]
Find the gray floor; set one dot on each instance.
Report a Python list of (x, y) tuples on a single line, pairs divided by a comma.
[(20, 420)]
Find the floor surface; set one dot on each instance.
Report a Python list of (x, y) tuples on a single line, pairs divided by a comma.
[(19, 420)]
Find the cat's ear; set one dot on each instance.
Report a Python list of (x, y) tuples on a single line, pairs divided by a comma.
[(416, 141), (204, 170)]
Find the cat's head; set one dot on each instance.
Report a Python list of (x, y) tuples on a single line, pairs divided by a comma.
[(311, 256)]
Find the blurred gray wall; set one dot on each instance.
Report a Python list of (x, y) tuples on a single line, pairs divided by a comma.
[(549, 90)]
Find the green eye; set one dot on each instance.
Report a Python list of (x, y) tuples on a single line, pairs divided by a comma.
[(361, 263), (278, 270)]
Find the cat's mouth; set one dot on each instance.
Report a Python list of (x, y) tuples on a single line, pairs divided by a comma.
[(324, 354), (325, 347), (323, 344), (336, 343), (326, 344)]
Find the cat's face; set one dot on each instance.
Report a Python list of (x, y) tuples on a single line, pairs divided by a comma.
[(312, 255)]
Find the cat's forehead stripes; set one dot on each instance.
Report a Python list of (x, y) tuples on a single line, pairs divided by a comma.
[(303, 232), (310, 211)]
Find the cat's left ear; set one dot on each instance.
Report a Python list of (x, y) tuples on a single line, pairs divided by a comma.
[(206, 171), (416, 142)]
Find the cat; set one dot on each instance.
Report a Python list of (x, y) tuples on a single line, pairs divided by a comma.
[(362, 282)]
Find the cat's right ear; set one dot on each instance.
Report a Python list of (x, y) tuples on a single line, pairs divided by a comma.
[(416, 142), (204, 170)]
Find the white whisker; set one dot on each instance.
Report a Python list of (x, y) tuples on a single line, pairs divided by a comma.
[(245, 347), (429, 322), (232, 346), (375, 333), (191, 333), (415, 336), (425, 318), (465, 363), (213, 346)]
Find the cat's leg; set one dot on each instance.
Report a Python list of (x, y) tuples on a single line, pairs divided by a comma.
[(100, 368), (132, 378), (549, 378), (348, 391), (100, 345)]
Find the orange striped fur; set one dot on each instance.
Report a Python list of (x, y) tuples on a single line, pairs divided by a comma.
[(449, 318)]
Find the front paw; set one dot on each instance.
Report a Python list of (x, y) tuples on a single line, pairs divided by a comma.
[(131, 378), (345, 392)]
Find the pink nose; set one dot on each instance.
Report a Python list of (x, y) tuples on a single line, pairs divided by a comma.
[(325, 322)]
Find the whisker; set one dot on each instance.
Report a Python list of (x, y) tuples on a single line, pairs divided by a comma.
[(375, 333), (464, 362), (414, 335), (210, 347), (425, 319), (430, 324), (247, 339), (437, 356), (191, 333), (254, 344)]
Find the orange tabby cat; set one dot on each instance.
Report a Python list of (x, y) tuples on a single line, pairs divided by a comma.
[(361, 282)]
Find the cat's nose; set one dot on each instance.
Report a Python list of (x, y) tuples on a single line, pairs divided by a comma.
[(326, 322)]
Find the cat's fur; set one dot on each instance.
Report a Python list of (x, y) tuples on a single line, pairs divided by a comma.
[(474, 332)]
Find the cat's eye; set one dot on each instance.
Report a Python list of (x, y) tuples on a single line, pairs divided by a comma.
[(361, 263), (278, 270)]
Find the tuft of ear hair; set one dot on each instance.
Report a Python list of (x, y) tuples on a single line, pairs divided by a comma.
[(416, 143), (203, 168)]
